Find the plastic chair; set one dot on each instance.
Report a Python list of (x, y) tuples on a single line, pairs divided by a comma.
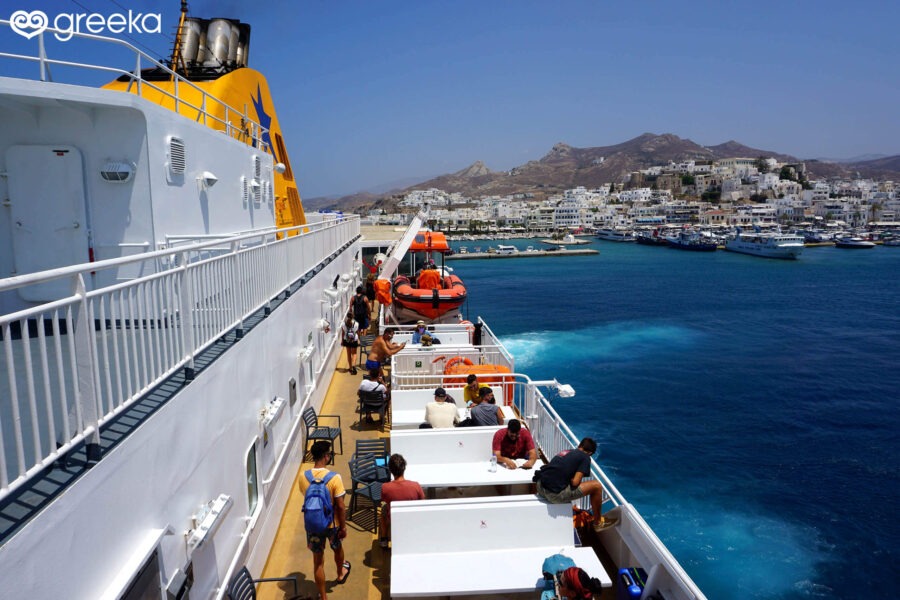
[(372, 402), (364, 476), (365, 343), (376, 446), (316, 432), (243, 586)]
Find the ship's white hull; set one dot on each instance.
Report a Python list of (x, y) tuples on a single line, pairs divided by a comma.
[(788, 248)]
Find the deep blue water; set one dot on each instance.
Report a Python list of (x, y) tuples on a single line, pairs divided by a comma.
[(747, 407)]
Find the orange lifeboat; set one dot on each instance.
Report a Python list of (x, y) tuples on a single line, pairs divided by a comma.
[(433, 296)]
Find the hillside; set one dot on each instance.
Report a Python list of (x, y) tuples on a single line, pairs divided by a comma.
[(565, 167)]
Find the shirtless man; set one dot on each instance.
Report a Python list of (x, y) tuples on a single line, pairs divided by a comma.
[(382, 349)]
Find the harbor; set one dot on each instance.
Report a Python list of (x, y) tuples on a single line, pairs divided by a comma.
[(524, 254)]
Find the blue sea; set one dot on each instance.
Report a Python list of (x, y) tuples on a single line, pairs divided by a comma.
[(749, 408)]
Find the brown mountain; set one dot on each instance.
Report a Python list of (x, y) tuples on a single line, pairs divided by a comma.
[(565, 167)]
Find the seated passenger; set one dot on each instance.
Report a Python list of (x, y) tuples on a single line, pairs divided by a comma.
[(422, 336), (512, 443), (374, 382), (398, 489), (559, 481), (441, 414), (486, 412), (471, 393)]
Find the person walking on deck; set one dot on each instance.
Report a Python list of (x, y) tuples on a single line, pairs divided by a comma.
[(350, 340), (336, 523)]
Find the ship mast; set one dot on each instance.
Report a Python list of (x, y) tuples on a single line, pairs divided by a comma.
[(177, 58)]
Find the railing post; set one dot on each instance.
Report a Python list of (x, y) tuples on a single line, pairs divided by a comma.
[(42, 55), (237, 307), (85, 367), (187, 316)]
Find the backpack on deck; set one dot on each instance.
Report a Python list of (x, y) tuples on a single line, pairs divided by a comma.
[(318, 510)]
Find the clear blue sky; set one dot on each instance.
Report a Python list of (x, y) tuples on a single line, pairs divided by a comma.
[(381, 90)]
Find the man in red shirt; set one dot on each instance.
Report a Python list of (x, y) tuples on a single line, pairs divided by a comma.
[(398, 489), (514, 442)]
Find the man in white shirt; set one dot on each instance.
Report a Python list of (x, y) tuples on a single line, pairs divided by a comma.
[(441, 414), (374, 382)]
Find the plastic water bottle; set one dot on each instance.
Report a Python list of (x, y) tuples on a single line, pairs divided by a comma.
[(493, 467)]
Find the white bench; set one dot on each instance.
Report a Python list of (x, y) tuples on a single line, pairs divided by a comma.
[(408, 406), (457, 457), (493, 545)]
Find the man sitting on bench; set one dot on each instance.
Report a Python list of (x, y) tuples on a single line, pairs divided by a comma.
[(512, 443), (559, 481)]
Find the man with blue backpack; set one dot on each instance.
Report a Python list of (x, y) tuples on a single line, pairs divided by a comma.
[(324, 515)]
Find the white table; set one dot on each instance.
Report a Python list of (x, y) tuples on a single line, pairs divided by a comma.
[(468, 474)]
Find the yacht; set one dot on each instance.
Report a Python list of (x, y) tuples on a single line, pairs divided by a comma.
[(615, 234), (768, 245), (853, 243), (170, 347)]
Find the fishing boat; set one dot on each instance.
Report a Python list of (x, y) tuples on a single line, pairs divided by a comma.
[(853, 243), (433, 293), (163, 374), (766, 244), (687, 239), (651, 238)]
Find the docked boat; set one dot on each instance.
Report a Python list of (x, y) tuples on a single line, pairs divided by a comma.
[(615, 234), (163, 375), (853, 243), (651, 238), (687, 239), (566, 240), (766, 244), (433, 293)]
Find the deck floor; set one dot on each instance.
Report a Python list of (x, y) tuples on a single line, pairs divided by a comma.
[(369, 577)]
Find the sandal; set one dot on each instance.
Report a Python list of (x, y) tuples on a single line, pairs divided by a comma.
[(347, 566), (605, 523)]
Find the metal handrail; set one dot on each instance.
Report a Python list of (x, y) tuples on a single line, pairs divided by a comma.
[(256, 129), (125, 338)]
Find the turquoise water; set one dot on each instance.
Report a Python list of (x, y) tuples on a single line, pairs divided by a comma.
[(748, 407)]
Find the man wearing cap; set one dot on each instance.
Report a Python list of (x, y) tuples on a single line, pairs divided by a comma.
[(512, 443), (441, 414), (487, 412)]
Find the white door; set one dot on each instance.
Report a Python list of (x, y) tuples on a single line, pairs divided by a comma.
[(49, 221)]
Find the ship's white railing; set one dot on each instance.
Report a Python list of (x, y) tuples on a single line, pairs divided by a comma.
[(551, 434), (70, 365), (234, 122)]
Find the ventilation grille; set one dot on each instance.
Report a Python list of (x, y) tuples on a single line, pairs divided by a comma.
[(245, 191), (256, 167), (176, 156)]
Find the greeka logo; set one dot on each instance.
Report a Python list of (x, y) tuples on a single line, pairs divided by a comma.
[(30, 24)]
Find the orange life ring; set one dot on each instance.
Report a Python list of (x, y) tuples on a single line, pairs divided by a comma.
[(455, 361)]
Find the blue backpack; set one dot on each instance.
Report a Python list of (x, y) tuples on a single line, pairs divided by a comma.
[(318, 511)]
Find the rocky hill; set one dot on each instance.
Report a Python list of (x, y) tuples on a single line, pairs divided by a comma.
[(565, 167)]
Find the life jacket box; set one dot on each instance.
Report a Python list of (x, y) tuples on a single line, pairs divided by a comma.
[(630, 583)]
